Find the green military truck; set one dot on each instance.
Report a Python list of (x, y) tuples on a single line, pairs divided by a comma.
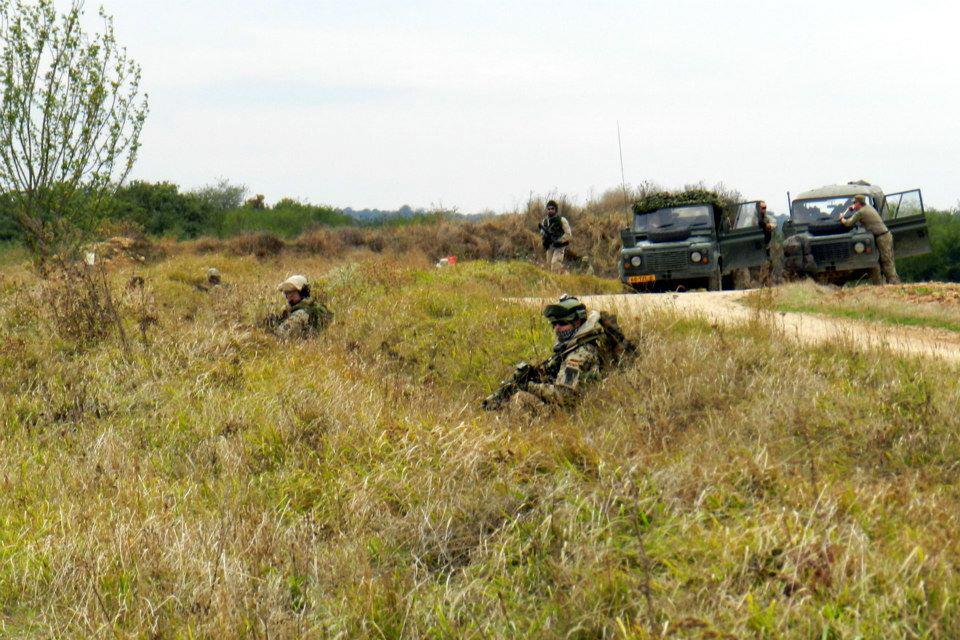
[(689, 246), (817, 244)]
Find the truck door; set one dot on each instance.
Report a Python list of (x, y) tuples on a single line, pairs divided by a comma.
[(742, 243), (904, 216)]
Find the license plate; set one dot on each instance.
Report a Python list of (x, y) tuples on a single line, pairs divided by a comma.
[(641, 279)]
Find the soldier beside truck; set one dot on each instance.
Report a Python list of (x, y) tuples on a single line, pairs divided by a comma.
[(845, 232), (834, 234)]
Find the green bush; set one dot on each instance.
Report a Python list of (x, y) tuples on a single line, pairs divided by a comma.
[(160, 209), (654, 200), (943, 262), (9, 229), (288, 218)]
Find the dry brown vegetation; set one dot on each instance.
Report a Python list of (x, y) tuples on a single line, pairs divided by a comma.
[(210, 482), (510, 236)]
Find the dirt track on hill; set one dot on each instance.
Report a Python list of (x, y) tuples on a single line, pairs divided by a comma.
[(726, 308)]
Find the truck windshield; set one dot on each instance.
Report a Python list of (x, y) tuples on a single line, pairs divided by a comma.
[(821, 209), (674, 218)]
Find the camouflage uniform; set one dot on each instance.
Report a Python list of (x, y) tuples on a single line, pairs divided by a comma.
[(587, 342), (557, 235), (872, 222), (583, 355), (300, 319), (303, 314)]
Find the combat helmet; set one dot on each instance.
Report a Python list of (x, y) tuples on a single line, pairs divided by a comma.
[(567, 309)]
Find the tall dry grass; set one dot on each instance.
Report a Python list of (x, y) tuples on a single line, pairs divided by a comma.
[(215, 483), (509, 236)]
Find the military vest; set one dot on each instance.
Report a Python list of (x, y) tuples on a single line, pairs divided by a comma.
[(595, 331), (318, 314), (554, 229)]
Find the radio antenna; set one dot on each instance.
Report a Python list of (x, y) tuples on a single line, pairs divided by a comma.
[(623, 180)]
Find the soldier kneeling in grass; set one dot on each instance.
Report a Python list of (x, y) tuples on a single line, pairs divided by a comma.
[(303, 314), (587, 344)]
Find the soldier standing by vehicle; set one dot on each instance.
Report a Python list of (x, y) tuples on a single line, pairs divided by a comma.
[(303, 314), (866, 215), (587, 343), (767, 224), (556, 234)]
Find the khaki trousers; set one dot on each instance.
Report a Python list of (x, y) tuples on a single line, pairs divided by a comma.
[(555, 259), (887, 263)]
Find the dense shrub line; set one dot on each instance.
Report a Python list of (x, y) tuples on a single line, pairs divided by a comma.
[(219, 219), (943, 263), (162, 209)]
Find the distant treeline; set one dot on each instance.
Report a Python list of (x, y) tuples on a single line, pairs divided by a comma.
[(223, 210)]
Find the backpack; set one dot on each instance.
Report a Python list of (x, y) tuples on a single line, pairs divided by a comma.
[(618, 343)]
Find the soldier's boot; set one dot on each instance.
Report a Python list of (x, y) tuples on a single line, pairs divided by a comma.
[(876, 277), (890, 271)]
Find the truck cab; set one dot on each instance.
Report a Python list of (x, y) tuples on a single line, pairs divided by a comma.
[(691, 246), (816, 243)]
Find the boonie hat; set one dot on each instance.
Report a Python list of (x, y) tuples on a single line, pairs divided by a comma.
[(293, 283)]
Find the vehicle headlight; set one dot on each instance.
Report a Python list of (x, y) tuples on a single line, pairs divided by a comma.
[(859, 247), (636, 261), (696, 256)]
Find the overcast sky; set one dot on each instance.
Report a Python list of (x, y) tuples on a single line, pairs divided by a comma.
[(477, 104)]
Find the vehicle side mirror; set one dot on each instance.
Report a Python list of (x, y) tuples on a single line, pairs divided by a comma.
[(627, 238)]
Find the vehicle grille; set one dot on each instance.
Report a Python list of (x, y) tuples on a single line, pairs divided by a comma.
[(666, 260), (833, 252)]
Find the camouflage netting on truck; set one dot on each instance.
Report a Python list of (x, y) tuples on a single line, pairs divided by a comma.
[(655, 200)]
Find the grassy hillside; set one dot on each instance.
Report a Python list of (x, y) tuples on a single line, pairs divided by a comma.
[(215, 483)]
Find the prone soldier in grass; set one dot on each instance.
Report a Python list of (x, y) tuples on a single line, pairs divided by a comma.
[(587, 344), (303, 315)]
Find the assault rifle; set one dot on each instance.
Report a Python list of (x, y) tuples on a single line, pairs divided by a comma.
[(272, 321), (550, 233), (523, 375), (616, 347)]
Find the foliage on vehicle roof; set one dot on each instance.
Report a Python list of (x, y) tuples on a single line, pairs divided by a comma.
[(654, 200)]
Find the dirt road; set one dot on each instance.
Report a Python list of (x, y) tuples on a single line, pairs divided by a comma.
[(726, 308)]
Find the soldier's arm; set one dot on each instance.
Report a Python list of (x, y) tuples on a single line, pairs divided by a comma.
[(580, 365), (296, 326), (852, 220), (567, 232)]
